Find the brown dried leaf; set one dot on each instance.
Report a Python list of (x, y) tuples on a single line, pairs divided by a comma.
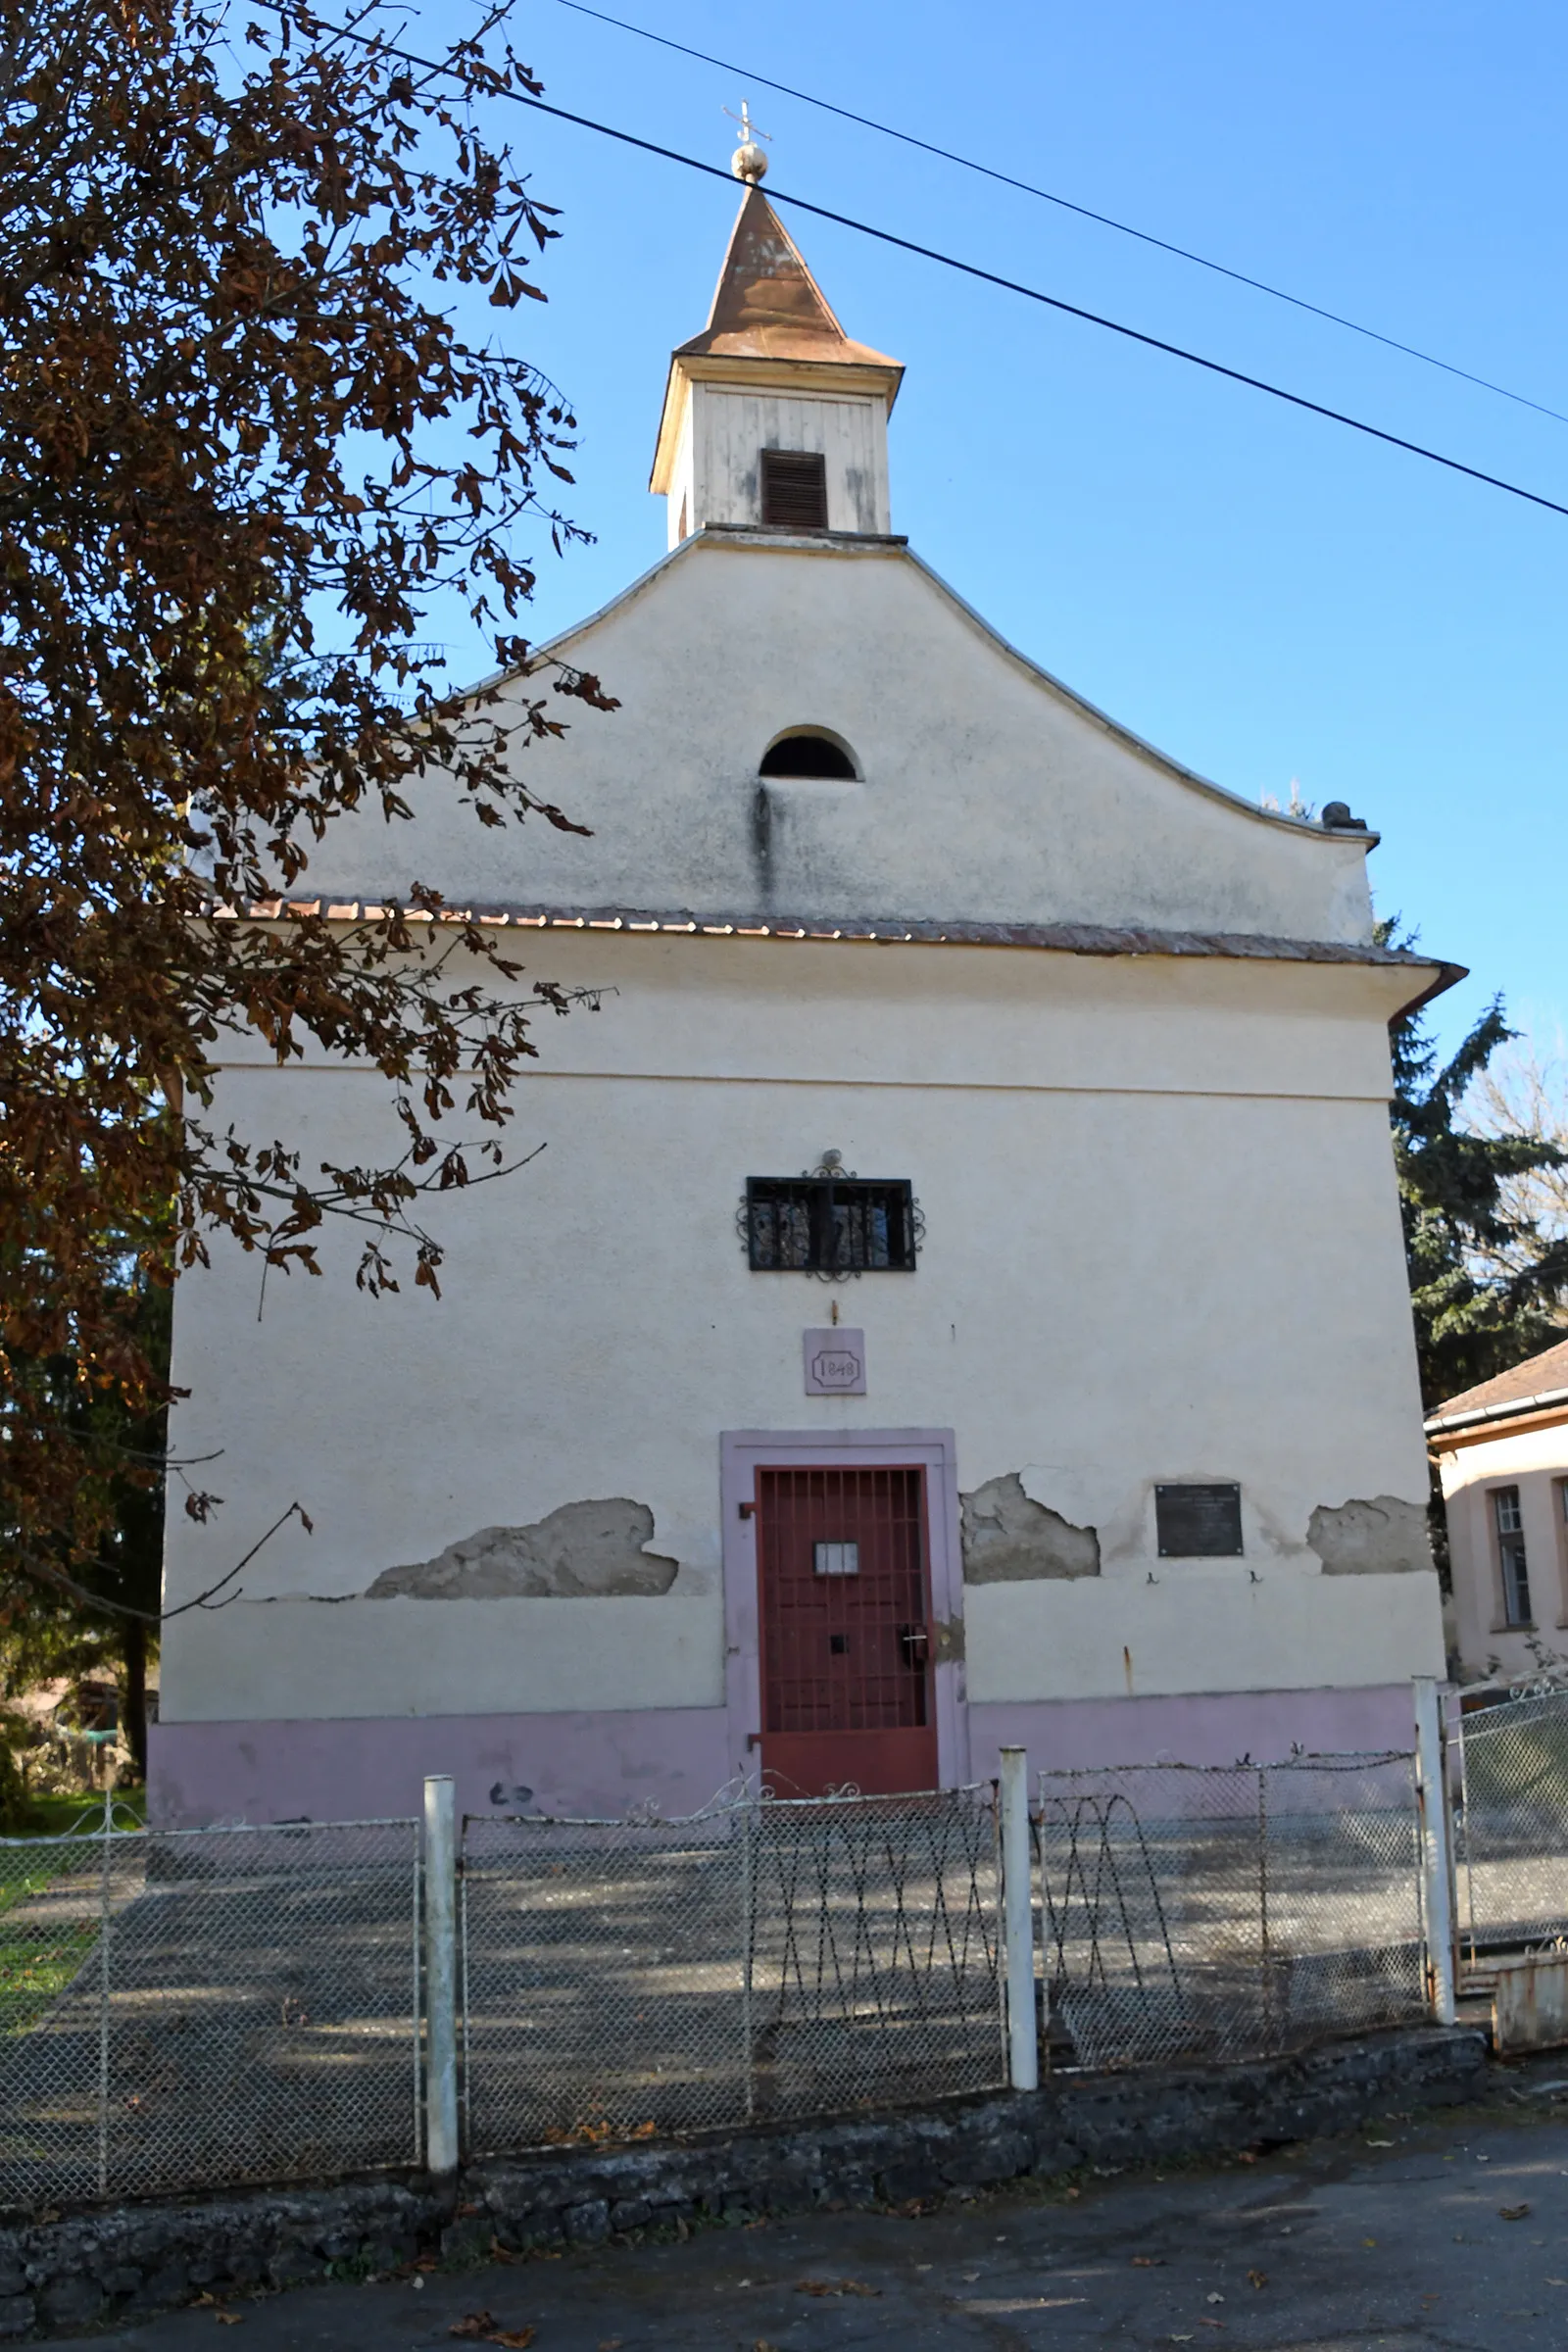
[(1148, 2262), (212, 429), (1257, 2277), (1512, 2213), (833, 2287)]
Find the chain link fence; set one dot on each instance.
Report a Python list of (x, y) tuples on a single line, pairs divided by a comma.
[(189, 2009), (193, 2008), (1512, 1843), (763, 1960), (1195, 1913)]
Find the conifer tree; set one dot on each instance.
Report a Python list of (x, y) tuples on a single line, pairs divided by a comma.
[(1484, 1291)]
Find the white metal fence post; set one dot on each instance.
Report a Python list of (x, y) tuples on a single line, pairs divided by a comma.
[(748, 1950), (1018, 1923), (105, 1915), (1436, 1824), (440, 1976)]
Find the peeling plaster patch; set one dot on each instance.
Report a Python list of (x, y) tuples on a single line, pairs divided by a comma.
[(583, 1550), (1384, 1537), (1007, 1537), (949, 1632)]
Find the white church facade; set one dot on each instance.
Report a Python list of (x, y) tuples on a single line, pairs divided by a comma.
[(962, 1299)]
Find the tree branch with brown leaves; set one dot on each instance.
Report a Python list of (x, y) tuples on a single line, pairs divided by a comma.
[(247, 442)]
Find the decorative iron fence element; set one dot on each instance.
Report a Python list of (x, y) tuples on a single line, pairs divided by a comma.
[(1197, 1913), (188, 2008), (1512, 1841), (767, 1958)]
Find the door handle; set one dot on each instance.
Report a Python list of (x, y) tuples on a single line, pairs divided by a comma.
[(916, 1640)]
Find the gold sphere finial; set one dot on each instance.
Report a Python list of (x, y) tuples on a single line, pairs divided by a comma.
[(748, 162)]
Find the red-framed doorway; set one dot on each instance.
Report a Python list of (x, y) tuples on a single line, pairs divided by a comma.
[(795, 1712)]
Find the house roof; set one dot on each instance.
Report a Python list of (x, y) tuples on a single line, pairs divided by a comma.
[(769, 305), (1536, 1384), (1069, 939)]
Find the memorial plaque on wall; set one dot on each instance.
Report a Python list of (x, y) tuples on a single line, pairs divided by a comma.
[(835, 1362), (1198, 1522)]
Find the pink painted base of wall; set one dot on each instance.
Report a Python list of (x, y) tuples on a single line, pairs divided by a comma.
[(372, 1769), (602, 1765), (1214, 1727)]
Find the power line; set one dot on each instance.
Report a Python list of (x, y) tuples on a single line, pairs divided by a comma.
[(1084, 211), (1054, 302), (990, 277)]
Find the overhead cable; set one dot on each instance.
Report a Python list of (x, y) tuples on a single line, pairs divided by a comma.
[(990, 277), (1066, 203), (1054, 302)]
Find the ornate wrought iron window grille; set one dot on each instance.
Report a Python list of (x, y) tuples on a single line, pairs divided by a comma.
[(830, 1223)]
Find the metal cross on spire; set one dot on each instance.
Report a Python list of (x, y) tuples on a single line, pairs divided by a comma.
[(748, 162)]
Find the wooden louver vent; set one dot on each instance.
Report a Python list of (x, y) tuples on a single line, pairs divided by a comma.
[(794, 489)]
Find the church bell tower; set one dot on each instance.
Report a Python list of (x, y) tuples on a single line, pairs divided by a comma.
[(774, 420)]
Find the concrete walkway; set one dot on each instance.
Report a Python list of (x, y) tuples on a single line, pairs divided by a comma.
[(1448, 2233)]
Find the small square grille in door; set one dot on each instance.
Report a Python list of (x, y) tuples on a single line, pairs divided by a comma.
[(845, 1585)]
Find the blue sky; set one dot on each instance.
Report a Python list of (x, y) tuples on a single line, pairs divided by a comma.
[(1264, 595)]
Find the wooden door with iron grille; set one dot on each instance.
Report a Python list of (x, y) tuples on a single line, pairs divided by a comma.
[(845, 1664)]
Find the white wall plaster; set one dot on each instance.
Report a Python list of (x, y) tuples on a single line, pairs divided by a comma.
[(1122, 1272), (990, 794)]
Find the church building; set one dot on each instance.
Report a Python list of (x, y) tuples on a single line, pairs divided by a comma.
[(960, 1300)]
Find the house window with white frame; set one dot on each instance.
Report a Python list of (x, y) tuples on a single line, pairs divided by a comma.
[(1512, 1561)]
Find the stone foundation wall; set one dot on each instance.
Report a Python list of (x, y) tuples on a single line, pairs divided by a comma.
[(87, 2268)]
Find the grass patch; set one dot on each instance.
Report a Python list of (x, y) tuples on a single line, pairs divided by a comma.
[(40, 1951), (34, 1970), (42, 1946), (58, 1816)]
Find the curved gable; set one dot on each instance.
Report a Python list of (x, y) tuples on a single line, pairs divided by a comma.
[(987, 792)]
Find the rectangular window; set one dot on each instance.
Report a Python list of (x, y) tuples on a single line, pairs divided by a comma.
[(836, 1559), (794, 489), (1510, 1526), (829, 1225), (1197, 1523)]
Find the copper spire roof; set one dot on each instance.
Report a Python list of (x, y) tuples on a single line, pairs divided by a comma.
[(769, 305)]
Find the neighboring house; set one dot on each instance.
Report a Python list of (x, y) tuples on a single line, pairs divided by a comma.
[(1502, 1452), (962, 1299)]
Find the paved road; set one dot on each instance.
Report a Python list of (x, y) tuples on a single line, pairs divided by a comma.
[(1450, 2233)]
